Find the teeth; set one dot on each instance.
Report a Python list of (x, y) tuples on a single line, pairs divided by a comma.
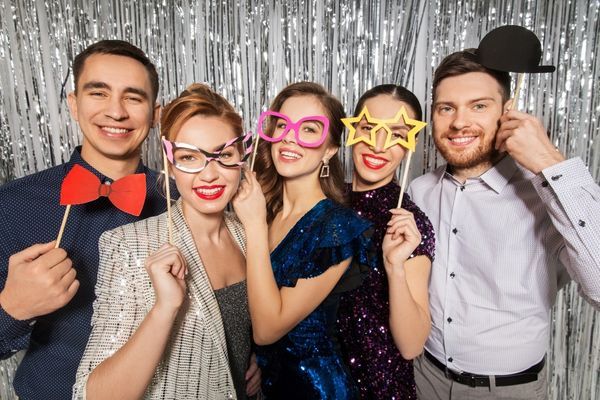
[(462, 139), (115, 130), (289, 154), (209, 192), (375, 161)]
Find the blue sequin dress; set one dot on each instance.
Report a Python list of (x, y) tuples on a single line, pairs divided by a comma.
[(306, 363)]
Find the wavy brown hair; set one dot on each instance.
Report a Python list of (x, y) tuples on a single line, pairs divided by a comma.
[(271, 182), (197, 99)]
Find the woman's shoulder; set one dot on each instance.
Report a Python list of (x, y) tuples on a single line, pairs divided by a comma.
[(135, 233), (337, 222), (420, 216)]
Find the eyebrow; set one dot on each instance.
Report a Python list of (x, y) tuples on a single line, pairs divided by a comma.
[(437, 103), (103, 85)]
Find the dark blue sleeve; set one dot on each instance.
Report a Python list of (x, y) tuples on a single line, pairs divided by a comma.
[(339, 235), (14, 334)]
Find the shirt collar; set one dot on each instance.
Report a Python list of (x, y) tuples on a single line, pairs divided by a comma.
[(497, 177), (77, 159)]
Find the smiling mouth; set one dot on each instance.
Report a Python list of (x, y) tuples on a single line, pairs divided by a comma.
[(373, 162), (462, 140), (210, 192), (287, 155), (115, 132)]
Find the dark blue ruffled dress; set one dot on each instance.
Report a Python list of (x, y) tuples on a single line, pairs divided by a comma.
[(306, 363)]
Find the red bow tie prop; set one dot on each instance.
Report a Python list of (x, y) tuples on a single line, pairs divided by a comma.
[(81, 186)]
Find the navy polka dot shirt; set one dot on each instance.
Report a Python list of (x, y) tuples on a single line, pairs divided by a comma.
[(30, 213)]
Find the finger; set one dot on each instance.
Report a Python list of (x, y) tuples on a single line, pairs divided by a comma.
[(510, 124), (162, 250), (61, 269), (251, 370), (175, 270), (400, 218), (248, 178), (51, 259), (407, 226), (408, 231), (33, 252), (253, 384), (165, 262), (516, 115), (399, 236), (68, 279), (183, 273), (73, 287), (399, 211), (501, 136)]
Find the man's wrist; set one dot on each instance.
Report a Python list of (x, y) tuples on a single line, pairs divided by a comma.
[(548, 161)]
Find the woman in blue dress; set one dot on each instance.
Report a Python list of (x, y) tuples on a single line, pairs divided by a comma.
[(304, 247)]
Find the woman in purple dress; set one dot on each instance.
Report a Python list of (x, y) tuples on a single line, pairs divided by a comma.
[(385, 323)]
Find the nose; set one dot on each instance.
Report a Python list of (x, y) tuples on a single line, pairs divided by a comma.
[(380, 137), (210, 173), (290, 136), (115, 109), (460, 120)]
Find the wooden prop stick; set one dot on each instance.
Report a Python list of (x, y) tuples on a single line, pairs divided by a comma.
[(168, 190), (513, 104), (405, 169), (254, 152), (62, 226)]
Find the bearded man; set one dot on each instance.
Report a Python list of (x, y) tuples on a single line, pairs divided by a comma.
[(514, 222)]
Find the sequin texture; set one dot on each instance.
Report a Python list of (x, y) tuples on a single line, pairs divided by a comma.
[(367, 344), (306, 363)]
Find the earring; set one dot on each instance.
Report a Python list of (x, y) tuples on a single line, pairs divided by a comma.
[(324, 169)]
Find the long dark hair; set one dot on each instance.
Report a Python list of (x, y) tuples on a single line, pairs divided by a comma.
[(271, 182)]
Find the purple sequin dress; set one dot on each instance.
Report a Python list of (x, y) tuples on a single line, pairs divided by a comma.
[(363, 318)]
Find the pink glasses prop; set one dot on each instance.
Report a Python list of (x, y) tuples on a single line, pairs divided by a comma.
[(308, 131), (188, 158)]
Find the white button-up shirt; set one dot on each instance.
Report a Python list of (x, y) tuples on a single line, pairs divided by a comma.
[(502, 242)]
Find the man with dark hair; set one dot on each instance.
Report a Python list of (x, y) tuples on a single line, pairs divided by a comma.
[(513, 221), (47, 293)]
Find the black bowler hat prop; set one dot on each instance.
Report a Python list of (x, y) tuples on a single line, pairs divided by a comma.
[(512, 48)]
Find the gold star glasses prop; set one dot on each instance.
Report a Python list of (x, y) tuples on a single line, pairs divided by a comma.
[(409, 142)]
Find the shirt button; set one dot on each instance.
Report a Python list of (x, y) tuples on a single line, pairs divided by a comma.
[(455, 231), (452, 275), (449, 319), (581, 223), (545, 184), (450, 359), (462, 188), (556, 177)]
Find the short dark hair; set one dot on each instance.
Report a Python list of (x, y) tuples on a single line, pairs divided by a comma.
[(117, 48), (397, 92), (463, 62)]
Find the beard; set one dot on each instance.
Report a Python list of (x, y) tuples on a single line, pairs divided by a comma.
[(484, 154)]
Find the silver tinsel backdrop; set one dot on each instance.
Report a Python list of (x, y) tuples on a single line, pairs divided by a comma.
[(248, 50)]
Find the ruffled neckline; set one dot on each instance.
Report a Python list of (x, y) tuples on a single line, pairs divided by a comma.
[(300, 222)]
